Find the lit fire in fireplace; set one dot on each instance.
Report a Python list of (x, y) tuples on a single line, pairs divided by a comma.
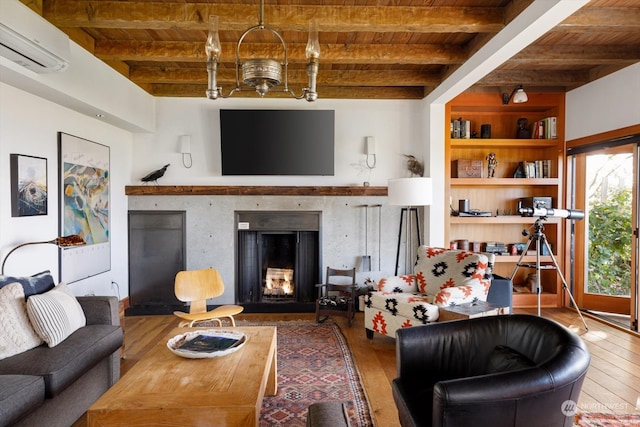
[(279, 282)]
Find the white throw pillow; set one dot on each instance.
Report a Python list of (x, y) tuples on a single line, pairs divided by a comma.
[(55, 314), (16, 333)]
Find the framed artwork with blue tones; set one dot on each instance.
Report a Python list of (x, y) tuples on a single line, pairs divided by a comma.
[(29, 193), (84, 206)]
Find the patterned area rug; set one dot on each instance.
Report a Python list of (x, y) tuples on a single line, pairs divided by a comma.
[(606, 420), (314, 365)]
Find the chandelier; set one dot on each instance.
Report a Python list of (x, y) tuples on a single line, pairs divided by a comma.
[(262, 74)]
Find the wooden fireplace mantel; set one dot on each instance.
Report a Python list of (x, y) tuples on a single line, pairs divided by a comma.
[(251, 190)]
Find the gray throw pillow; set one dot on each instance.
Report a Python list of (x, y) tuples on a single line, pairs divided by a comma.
[(32, 285)]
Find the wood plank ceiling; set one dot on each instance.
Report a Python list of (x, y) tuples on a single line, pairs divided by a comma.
[(384, 49)]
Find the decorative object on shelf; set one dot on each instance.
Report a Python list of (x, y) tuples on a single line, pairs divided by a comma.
[(155, 175), (414, 165), (185, 150), (492, 163), (28, 185), (466, 168), (463, 244), (61, 242), (485, 131), (260, 73), (409, 192), (523, 129), (518, 95)]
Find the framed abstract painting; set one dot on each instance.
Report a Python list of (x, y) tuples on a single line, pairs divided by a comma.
[(84, 206)]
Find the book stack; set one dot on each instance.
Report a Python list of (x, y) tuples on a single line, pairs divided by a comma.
[(496, 248), (546, 128), (460, 129), (535, 169)]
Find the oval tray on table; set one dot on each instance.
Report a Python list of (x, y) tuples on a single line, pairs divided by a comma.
[(206, 343)]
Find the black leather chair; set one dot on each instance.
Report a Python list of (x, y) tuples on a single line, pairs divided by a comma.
[(512, 370)]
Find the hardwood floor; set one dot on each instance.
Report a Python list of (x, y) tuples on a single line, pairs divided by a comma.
[(612, 384)]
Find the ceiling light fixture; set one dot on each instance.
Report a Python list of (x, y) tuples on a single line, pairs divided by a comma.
[(518, 95), (261, 74)]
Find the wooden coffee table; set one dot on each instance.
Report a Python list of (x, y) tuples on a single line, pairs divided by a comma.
[(165, 389)]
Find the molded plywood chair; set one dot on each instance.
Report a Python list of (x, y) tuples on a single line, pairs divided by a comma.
[(337, 295), (196, 286)]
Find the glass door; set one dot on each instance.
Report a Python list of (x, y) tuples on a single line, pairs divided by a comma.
[(606, 262)]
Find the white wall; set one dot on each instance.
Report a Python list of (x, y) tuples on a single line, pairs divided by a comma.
[(394, 124), (89, 87), (29, 125), (610, 103)]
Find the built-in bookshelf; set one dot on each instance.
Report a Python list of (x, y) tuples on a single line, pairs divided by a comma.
[(528, 166)]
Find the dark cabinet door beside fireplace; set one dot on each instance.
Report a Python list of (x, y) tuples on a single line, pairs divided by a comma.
[(156, 253)]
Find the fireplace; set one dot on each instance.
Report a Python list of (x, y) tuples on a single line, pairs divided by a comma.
[(277, 260)]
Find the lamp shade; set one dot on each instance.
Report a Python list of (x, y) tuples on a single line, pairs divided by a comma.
[(414, 191), (520, 96)]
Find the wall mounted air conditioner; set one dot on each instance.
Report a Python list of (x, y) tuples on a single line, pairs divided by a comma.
[(30, 40)]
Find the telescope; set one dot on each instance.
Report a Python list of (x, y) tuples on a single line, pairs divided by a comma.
[(551, 213)]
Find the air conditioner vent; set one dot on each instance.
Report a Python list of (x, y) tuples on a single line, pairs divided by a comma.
[(31, 41)]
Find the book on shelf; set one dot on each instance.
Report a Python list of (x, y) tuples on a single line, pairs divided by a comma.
[(535, 169), (546, 128), (460, 129)]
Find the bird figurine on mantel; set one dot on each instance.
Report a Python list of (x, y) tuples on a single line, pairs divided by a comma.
[(155, 175)]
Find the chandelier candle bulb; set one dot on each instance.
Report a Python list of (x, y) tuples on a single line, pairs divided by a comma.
[(313, 44), (213, 47)]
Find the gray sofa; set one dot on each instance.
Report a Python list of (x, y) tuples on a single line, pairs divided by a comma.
[(55, 386)]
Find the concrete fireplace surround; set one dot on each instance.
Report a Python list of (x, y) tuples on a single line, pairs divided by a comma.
[(211, 229)]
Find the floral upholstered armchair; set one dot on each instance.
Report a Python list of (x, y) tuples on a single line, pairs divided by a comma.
[(442, 277)]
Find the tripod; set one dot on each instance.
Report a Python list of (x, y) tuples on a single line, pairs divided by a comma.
[(540, 239)]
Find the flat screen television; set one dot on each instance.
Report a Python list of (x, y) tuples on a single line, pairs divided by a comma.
[(277, 142)]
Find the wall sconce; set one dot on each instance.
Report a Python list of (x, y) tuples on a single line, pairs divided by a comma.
[(518, 95), (185, 149), (61, 242), (370, 150)]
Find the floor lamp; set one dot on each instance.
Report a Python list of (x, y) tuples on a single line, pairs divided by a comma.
[(409, 193), (61, 242)]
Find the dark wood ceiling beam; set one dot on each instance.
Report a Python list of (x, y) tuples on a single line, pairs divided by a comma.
[(198, 91), (337, 54), (239, 17), (534, 77), (226, 77), (571, 54), (604, 19)]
